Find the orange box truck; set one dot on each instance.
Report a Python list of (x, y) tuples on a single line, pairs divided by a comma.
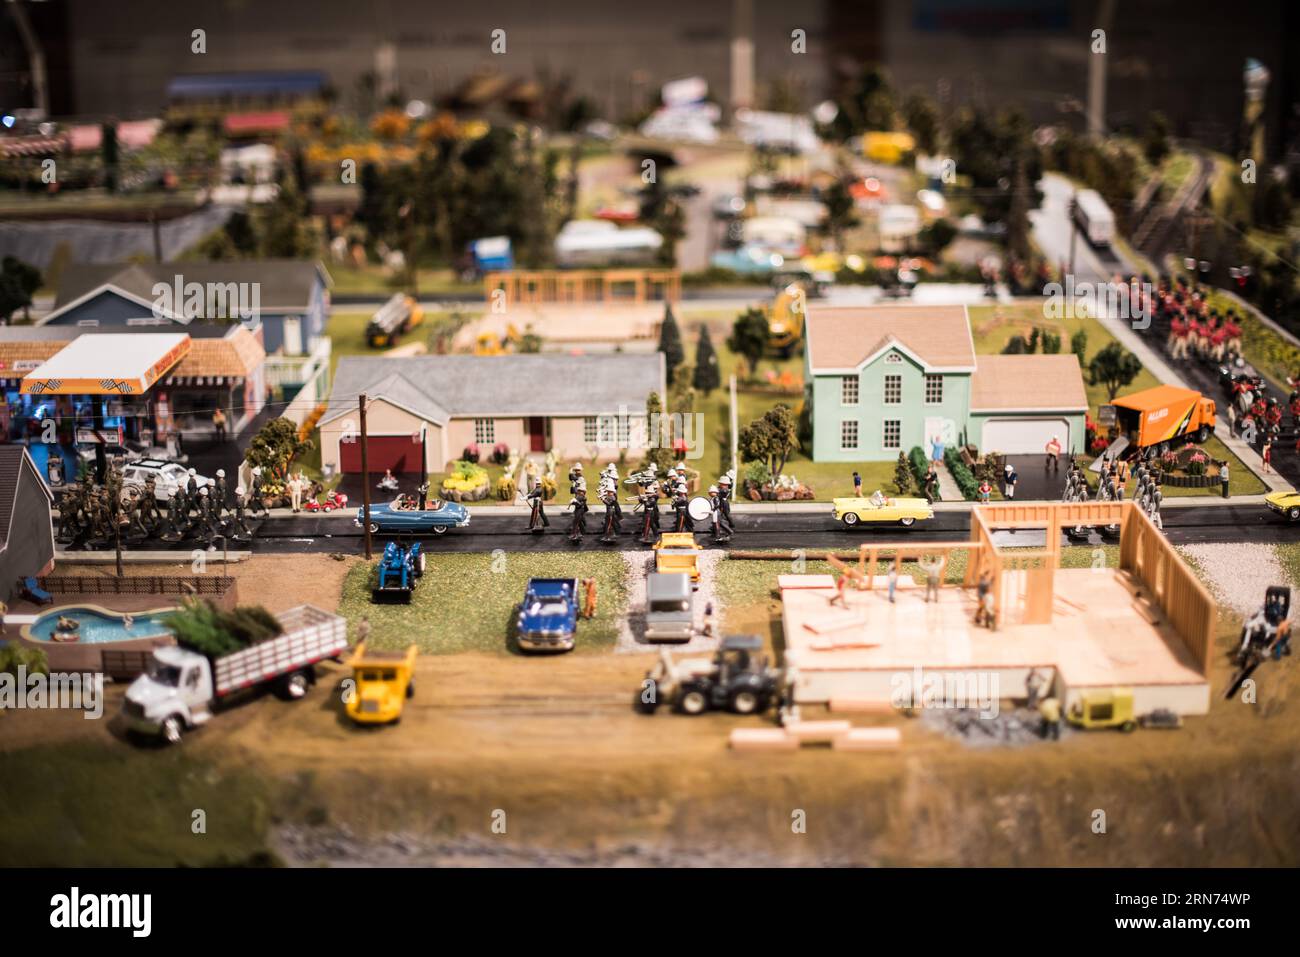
[(1154, 419)]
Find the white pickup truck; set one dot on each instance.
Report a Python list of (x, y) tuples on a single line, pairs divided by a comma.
[(182, 688)]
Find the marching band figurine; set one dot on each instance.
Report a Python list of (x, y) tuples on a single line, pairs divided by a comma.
[(613, 511), (723, 528), (681, 506), (578, 528), (537, 521)]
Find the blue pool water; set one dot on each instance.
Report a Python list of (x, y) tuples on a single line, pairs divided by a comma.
[(97, 628)]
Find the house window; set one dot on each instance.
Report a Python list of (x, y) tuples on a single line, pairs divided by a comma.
[(849, 390), (933, 389), (893, 433), (591, 430), (848, 435), (485, 431), (893, 389), (893, 359)]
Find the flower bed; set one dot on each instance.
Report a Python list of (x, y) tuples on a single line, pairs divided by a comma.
[(467, 483)]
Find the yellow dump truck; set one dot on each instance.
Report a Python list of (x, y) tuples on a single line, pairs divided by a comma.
[(383, 680)]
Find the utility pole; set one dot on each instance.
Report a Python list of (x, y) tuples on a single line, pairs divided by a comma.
[(365, 481), (1097, 72), (1074, 229), (735, 461)]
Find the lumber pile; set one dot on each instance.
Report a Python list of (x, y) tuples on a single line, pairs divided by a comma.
[(840, 735)]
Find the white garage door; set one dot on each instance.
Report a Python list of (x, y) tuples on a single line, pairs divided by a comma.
[(1022, 436)]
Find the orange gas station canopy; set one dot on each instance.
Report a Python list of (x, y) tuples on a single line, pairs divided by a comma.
[(108, 364)]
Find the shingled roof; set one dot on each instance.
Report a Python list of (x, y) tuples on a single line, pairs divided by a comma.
[(285, 285), (842, 338), (14, 461), (438, 388), (1028, 383)]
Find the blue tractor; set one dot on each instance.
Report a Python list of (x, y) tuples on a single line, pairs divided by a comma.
[(399, 568)]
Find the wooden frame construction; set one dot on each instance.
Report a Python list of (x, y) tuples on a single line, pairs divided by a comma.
[(1024, 581), (592, 286)]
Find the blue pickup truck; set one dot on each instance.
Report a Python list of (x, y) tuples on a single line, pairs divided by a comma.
[(548, 615)]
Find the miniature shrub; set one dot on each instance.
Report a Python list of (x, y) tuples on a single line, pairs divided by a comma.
[(758, 473), (920, 464), (962, 475), (471, 453), (500, 453), (209, 630), (548, 487), (505, 488)]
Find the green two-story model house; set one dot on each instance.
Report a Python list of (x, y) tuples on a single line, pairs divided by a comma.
[(882, 379)]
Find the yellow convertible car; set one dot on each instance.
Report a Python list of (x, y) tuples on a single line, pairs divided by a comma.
[(1284, 503), (879, 507)]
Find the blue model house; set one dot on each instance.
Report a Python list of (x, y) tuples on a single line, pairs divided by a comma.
[(288, 299)]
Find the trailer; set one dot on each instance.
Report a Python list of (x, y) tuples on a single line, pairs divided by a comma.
[(183, 689), (1094, 217), (1148, 422)]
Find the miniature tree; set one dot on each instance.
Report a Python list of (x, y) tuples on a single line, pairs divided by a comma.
[(670, 343), (1113, 367), (18, 283), (749, 336), (1079, 346), (659, 450), (209, 630), (275, 447), (708, 376), (770, 439), (903, 474)]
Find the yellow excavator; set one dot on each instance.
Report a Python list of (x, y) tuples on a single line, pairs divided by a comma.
[(491, 344)]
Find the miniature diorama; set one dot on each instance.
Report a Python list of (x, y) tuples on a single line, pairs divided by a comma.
[(916, 410)]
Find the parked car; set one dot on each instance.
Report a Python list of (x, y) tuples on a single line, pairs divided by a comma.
[(403, 516), (879, 507), (167, 476), (548, 615)]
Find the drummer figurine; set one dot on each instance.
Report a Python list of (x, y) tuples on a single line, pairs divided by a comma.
[(537, 521)]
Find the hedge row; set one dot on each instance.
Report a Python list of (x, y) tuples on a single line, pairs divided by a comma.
[(961, 474)]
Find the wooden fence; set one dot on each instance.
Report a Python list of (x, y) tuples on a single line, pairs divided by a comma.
[(217, 585)]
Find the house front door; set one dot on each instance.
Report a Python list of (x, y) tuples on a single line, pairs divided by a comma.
[(537, 434)]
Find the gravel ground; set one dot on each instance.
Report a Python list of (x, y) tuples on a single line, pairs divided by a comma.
[(339, 847), (1008, 728), (631, 633), (1238, 573)]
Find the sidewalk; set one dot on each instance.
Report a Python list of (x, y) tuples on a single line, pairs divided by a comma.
[(1161, 369), (948, 490)]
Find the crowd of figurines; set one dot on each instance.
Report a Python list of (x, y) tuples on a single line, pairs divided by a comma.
[(95, 515), (1112, 478), (650, 490)]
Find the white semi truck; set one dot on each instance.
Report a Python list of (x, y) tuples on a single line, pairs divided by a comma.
[(1094, 217), (182, 689)]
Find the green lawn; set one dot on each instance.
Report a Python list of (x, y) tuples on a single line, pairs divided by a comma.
[(374, 280), (99, 804), (468, 602)]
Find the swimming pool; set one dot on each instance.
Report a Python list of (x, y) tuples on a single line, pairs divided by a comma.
[(98, 626)]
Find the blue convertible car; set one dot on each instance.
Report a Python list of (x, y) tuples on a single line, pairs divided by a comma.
[(404, 516)]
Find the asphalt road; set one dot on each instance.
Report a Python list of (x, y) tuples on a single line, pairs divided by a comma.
[(307, 534)]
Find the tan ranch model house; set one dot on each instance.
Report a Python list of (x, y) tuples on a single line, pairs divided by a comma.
[(580, 406)]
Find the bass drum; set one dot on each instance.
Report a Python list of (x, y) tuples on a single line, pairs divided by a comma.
[(700, 509)]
